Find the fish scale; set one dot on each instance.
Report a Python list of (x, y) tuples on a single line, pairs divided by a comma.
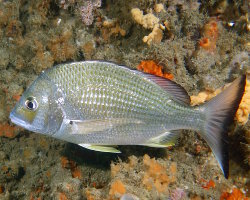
[(141, 98), (136, 101), (144, 103)]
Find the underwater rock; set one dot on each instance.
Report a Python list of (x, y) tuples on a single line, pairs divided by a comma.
[(4, 61), (11, 170)]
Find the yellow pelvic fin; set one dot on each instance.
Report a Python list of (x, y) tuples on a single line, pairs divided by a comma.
[(102, 148)]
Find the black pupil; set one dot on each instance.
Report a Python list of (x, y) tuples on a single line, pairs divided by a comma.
[(30, 105)]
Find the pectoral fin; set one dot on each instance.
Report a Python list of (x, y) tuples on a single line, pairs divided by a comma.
[(99, 125), (164, 140), (101, 148)]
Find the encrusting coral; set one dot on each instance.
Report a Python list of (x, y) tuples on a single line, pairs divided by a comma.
[(7, 130), (236, 194), (42, 59), (61, 47), (156, 176), (155, 36), (149, 176), (149, 21), (210, 35), (117, 189), (242, 114), (151, 67), (111, 27), (70, 164), (159, 7)]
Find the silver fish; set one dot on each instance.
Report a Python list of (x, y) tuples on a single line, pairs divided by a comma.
[(98, 104)]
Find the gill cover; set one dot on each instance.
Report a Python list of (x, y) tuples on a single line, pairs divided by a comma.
[(38, 109)]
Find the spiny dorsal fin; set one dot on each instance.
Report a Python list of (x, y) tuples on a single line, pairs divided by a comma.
[(175, 90)]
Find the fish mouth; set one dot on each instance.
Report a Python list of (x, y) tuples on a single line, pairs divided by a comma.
[(19, 121)]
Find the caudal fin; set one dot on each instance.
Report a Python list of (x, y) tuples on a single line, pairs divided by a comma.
[(219, 114)]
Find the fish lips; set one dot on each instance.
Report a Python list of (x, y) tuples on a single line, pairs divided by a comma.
[(18, 120)]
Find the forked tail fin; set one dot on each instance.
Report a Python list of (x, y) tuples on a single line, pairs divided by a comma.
[(219, 114)]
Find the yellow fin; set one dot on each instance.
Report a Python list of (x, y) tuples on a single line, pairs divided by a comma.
[(166, 139), (102, 148)]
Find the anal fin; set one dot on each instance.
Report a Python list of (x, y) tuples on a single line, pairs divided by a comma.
[(166, 139), (102, 148)]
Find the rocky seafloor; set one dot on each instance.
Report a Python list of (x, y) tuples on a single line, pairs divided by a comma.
[(203, 45)]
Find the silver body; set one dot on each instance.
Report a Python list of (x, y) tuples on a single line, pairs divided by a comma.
[(103, 103)]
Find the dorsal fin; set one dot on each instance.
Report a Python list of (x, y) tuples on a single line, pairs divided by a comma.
[(175, 90)]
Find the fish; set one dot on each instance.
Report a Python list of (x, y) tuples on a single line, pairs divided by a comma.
[(99, 105)]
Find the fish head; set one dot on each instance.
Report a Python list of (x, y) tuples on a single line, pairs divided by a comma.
[(37, 109)]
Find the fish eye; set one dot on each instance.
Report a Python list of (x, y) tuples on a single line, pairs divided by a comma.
[(31, 103)]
